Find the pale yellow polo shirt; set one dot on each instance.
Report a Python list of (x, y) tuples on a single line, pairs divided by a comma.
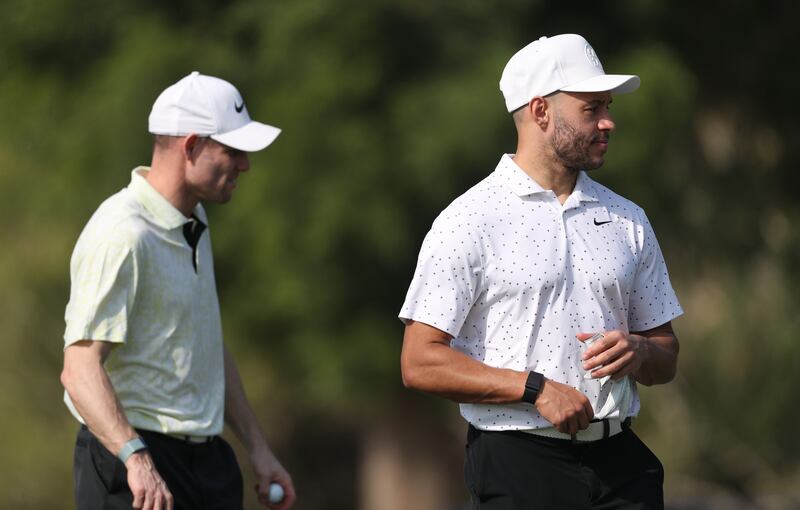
[(134, 284)]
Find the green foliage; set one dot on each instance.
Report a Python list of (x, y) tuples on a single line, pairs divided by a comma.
[(390, 109)]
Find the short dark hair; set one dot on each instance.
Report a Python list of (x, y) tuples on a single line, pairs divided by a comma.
[(517, 114), (163, 142)]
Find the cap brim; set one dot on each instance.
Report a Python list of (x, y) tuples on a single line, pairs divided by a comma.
[(252, 137), (615, 83)]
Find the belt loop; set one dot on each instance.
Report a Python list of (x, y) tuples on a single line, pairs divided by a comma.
[(606, 429)]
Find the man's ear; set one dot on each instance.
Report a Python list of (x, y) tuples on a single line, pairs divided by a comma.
[(540, 110), (191, 146)]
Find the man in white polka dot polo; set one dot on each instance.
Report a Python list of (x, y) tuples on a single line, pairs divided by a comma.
[(541, 298)]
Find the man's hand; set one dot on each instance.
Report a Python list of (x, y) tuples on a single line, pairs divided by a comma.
[(268, 470), (149, 490), (619, 353), (565, 407), (650, 356)]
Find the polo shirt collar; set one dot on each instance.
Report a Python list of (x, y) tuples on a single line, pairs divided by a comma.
[(585, 190), (510, 174), (164, 213), (523, 185)]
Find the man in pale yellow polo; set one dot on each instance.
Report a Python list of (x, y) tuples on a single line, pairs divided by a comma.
[(145, 369)]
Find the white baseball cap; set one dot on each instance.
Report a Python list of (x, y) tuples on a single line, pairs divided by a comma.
[(208, 106), (563, 62)]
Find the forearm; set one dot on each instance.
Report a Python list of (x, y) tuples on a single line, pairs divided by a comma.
[(239, 414), (429, 364), (93, 395), (242, 420), (661, 361)]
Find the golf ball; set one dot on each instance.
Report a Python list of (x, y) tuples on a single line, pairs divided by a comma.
[(275, 493)]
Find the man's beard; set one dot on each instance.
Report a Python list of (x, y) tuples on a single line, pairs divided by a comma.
[(572, 148)]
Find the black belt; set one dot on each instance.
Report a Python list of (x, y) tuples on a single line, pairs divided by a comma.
[(626, 424)]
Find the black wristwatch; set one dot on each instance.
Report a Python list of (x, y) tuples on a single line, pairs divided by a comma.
[(532, 387)]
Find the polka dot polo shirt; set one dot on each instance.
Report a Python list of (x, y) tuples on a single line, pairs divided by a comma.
[(513, 275)]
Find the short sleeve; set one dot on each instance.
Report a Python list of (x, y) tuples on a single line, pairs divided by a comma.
[(652, 301), (446, 280), (103, 287)]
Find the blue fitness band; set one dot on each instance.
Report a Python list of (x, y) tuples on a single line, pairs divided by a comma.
[(134, 445)]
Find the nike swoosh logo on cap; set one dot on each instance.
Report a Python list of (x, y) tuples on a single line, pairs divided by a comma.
[(601, 222), (238, 107)]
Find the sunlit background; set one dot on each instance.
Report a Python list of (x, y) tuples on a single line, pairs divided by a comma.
[(390, 109)]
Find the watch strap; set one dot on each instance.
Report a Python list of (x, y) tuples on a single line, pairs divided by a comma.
[(532, 387), (134, 445)]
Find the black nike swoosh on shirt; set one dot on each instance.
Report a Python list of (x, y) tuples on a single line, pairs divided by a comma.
[(601, 222), (238, 107)]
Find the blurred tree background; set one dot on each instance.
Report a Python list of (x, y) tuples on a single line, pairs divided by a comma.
[(391, 109)]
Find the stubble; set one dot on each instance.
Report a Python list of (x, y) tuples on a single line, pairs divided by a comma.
[(573, 148)]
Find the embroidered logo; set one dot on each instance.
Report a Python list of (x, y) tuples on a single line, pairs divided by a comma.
[(592, 57)]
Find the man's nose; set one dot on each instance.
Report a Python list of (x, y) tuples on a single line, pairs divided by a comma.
[(606, 124)]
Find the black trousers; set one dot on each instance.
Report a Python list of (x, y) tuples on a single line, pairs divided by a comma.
[(199, 476), (521, 471)]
